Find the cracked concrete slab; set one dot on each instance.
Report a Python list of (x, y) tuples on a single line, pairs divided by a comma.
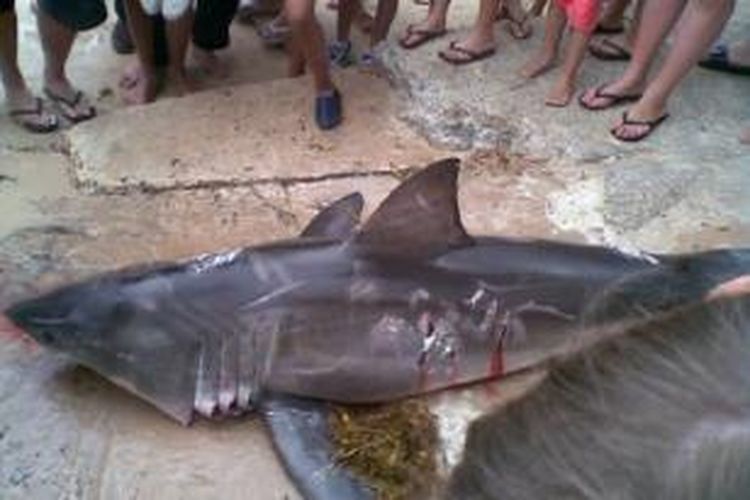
[(231, 136)]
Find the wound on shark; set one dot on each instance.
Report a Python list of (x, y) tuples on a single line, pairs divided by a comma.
[(406, 304)]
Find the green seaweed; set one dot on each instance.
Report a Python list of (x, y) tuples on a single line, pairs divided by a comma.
[(391, 448)]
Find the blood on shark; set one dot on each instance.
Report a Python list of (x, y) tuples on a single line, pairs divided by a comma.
[(406, 304)]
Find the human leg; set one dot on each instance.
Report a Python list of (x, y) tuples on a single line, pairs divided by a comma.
[(481, 39), (23, 107), (544, 58), (385, 13), (563, 90), (657, 19), (179, 31), (618, 47), (432, 27), (142, 30), (308, 49), (702, 23), (57, 36)]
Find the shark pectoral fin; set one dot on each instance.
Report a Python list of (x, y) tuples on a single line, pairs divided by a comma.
[(338, 220), (299, 428), (420, 217)]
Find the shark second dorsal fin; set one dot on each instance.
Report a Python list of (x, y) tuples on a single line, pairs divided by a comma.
[(338, 220), (420, 217)]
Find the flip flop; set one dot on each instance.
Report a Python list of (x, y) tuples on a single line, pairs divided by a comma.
[(78, 98), (471, 55), (613, 99), (328, 110), (49, 125), (613, 51), (718, 60), (603, 30), (422, 36), (650, 125)]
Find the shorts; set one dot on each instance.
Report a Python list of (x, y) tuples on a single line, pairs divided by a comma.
[(170, 9), (78, 15), (6, 6), (582, 14)]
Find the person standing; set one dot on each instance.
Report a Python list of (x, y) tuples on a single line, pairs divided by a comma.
[(24, 108)]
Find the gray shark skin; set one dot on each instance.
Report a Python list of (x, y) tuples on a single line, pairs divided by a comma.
[(408, 304)]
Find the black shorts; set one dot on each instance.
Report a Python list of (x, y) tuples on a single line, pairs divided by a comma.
[(6, 5), (78, 15)]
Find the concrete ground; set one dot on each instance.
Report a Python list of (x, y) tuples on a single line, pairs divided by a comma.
[(242, 163)]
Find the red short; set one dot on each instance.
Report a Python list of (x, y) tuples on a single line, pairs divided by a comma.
[(582, 14)]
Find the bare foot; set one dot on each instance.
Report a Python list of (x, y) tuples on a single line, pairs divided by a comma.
[(561, 93), (131, 75), (178, 82), (539, 64), (209, 63), (144, 89)]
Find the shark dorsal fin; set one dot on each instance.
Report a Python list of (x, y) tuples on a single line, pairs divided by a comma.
[(338, 220), (420, 217)]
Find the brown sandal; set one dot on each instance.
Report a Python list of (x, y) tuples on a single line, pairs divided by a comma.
[(650, 125), (612, 99), (39, 127), (78, 99), (467, 55), (419, 36)]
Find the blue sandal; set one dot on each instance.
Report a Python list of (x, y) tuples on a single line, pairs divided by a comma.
[(718, 60), (328, 110)]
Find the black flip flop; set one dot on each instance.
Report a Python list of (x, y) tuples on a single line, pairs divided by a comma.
[(718, 60), (603, 30), (650, 125), (71, 103), (614, 99), (617, 53), (423, 36), (472, 56), (37, 110)]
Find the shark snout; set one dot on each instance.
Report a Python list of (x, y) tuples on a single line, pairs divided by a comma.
[(46, 320)]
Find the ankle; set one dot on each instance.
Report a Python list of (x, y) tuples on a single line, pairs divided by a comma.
[(14, 84), (652, 103), (55, 79)]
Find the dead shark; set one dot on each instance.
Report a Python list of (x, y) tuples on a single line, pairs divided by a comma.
[(407, 304)]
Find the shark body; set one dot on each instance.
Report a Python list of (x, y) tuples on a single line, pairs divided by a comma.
[(409, 303)]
